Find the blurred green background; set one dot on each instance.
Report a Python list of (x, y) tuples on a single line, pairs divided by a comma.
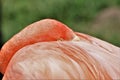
[(99, 18)]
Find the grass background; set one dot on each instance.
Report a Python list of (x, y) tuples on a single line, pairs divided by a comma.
[(86, 16)]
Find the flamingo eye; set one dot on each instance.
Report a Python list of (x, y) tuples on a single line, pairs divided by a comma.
[(60, 39)]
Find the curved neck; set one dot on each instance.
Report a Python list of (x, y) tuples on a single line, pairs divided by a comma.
[(44, 30)]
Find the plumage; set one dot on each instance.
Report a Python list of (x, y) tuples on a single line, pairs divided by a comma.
[(77, 57)]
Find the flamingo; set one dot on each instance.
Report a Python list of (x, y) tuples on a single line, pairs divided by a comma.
[(48, 49)]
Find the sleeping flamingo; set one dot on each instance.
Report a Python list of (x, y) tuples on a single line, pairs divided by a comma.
[(48, 49)]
